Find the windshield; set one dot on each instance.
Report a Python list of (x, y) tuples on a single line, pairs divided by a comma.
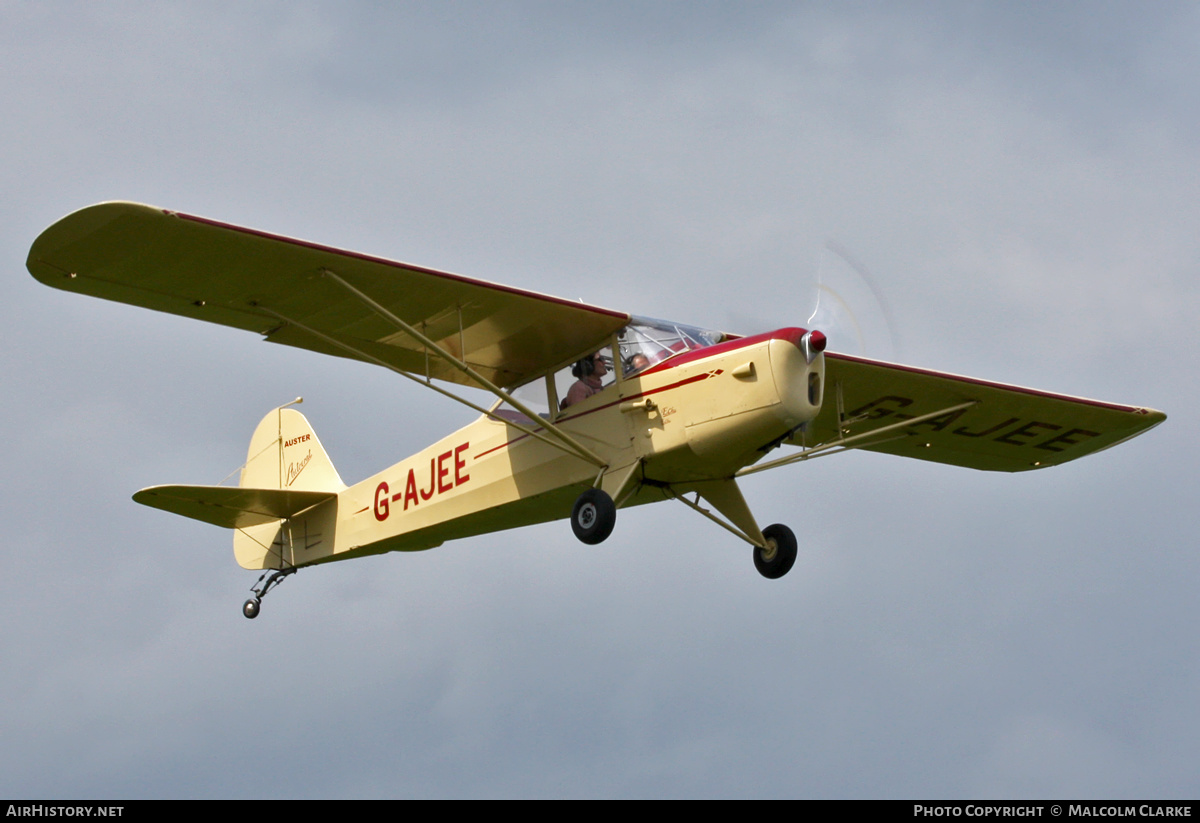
[(645, 342)]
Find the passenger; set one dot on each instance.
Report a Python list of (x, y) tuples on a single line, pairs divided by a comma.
[(589, 370), (636, 363)]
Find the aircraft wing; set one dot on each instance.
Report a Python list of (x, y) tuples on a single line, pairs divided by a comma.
[(274, 286), (1007, 428)]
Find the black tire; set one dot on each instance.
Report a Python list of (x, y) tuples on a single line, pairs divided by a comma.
[(593, 517), (251, 608), (781, 544)]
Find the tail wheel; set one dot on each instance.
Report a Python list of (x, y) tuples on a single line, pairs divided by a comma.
[(776, 560), (274, 577), (593, 517)]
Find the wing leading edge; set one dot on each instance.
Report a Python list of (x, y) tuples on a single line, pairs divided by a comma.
[(277, 287), (1006, 428)]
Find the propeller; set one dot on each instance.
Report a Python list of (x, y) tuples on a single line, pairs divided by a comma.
[(851, 309)]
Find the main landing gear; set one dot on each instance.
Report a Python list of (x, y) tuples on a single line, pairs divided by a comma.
[(253, 606), (593, 517), (777, 558), (777, 554)]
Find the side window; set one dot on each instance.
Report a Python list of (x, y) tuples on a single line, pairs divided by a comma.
[(641, 344), (533, 396), (584, 378)]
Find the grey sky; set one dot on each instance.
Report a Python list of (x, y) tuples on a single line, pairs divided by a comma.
[(1022, 182)]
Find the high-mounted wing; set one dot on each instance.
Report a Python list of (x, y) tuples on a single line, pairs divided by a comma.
[(960, 420), (279, 287)]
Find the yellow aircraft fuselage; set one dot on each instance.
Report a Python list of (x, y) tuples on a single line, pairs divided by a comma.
[(691, 420)]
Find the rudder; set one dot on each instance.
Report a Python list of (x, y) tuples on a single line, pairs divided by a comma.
[(286, 454)]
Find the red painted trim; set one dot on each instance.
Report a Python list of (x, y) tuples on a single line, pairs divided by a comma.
[(693, 379), (397, 265), (791, 334), (990, 384), (502, 445)]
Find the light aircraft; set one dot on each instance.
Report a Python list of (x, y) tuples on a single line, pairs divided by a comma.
[(594, 409)]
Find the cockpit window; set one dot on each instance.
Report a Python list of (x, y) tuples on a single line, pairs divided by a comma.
[(646, 342), (588, 376)]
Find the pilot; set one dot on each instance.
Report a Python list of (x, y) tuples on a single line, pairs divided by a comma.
[(636, 363), (589, 370)]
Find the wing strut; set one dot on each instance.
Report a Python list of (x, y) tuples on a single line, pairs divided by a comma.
[(566, 443), (567, 440), (847, 443)]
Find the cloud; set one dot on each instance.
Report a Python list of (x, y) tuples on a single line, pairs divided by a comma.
[(1020, 181)]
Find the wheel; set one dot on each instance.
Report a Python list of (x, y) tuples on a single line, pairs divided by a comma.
[(593, 517), (251, 607), (776, 560)]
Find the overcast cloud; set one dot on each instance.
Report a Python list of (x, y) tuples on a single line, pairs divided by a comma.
[(1020, 180)]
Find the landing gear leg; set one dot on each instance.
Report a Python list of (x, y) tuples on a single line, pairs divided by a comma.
[(593, 517), (776, 559), (253, 606)]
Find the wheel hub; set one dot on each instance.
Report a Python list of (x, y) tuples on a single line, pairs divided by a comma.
[(769, 551)]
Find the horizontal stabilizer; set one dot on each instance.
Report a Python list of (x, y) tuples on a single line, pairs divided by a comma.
[(232, 508)]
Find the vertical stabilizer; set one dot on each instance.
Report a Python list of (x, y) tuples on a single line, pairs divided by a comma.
[(286, 454)]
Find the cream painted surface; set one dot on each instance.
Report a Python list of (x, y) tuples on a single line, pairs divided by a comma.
[(689, 423), (285, 453)]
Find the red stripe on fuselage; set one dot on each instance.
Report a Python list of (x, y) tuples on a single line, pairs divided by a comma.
[(792, 334), (684, 382)]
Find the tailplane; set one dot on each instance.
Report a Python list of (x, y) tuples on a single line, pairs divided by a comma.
[(284, 510)]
